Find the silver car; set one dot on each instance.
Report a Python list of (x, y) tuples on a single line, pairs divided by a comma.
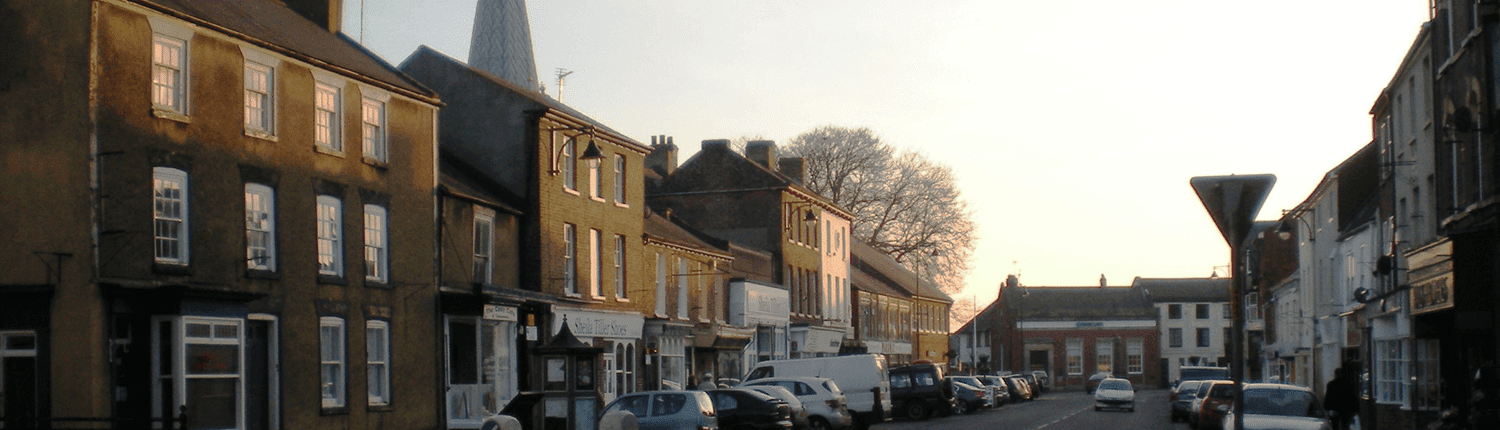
[(826, 406), (668, 410)]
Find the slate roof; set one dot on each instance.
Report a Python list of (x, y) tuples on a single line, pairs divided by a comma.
[(425, 53), (463, 181), (672, 230), (717, 167), (874, 267), (291, 34), (1074, 303), (1181, 290)]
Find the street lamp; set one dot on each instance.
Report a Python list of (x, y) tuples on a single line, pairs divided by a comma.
[(592, 154)]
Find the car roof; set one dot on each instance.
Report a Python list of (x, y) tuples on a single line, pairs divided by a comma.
[(807, 379), (1276, 386)]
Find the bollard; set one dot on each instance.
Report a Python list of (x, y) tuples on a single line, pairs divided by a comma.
[(618, 420)]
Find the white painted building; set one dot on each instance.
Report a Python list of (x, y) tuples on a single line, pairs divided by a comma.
[(1194, 320)]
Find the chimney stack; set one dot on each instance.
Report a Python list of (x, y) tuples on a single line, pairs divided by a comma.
[(762, 152), (663, 156), (328, 14), (715, 145), (795, 168)]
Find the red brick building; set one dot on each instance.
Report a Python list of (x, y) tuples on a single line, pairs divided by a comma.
[(1075, 332)]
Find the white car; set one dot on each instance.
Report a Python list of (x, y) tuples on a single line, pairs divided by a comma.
[(827, 408), (1279, 406), (1114, 393)]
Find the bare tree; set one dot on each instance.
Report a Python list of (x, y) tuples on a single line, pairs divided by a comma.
[(904, 204)]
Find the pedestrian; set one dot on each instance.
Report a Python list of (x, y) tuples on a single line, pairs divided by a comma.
[(707, 382), (1341, 398)]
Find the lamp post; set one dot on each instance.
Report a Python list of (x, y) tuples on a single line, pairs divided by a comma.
[(1233, 201)]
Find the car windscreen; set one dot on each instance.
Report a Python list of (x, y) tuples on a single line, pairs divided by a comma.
[(1114, 385), (667, 403), (1282, 402), (1222, 391)]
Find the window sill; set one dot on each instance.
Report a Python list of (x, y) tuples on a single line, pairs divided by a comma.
[(259, 134), (324, 278), (381, 284), (570, 191), (380, 407), (622, 205), (622, 299), (165, 113), (379, 164), (326, 150), (597, 199)]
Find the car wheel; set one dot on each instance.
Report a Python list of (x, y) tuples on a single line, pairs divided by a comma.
[(961, 408), (915, 411), (818, 423)]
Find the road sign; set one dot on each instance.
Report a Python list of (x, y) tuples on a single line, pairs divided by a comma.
[(1233, 201)]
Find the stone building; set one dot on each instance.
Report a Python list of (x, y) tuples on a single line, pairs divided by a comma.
[(225, 220)]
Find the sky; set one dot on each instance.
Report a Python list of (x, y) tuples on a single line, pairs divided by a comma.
[(1072, 126)]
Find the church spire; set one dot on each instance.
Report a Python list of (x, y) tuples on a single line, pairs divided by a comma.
[(501, 43)]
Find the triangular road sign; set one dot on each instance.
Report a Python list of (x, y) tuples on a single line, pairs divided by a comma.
[(1233, 201)]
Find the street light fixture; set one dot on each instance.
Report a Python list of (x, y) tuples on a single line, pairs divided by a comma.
[(592, 154)]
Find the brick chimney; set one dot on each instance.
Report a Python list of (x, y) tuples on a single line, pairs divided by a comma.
[(663, 156), (795, 168), (762, 152), (325, 13), (715, 145)]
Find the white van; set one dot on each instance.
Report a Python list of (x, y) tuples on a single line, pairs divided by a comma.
[(861, 377)]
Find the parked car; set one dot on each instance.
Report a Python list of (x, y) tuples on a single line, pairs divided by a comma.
[(1114, 393), (827, 407), (1094, 381), (1201, 373), (863, 378), (967, 398), (1002, 391), (1019, 392), (1043, 382), (917, 391), (1182, 399), (1278, 406), (1033, 383), (799, 411), (1195, 404), (668, 410), (744, 409), (1209, 415), (989, 392)]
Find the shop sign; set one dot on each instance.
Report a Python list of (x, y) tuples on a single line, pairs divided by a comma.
[(598, 324), (1431, 278), (500, 313)]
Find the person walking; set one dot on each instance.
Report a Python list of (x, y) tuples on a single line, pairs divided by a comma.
[(1341, 398)]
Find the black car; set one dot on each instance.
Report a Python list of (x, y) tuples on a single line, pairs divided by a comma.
[(745, 409), (918, 391)]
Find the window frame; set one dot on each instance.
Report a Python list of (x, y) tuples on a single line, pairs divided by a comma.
[(1074, 356), (330, 247), (332, 92), (260, 205), (596, 263), (161, 176), (1174, 337), (1174, 311), (169, 97), (339, 396), (569, 165), (1204, 337), (484, 245), (621, 290), (374, 136), (619, 184), (378, 362), (264, 124), (661, 284), (1135, 351), (377, 240), (570, 260), (1201, 311)]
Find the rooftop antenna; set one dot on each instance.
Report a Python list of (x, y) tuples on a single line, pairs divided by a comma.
[(562, 75)]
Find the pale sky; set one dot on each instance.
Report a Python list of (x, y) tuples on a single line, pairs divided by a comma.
[(1072, 126)]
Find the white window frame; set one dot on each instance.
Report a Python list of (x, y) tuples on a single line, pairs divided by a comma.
[(260, 90), (260, 227), (373, 130), (1074, 356), (1392, 362), (1135, 359), (377, 255), (330, 221), (620, 180), (333, 371), (378, 362), (596, 181), (621, 292), (169, 74), (1104, 355), (484, 244), (170, 215), (495, 369), (175, 372), (328, 115), (570, 259), (569, 165), (596, 263), (682, 288), (661, 284)]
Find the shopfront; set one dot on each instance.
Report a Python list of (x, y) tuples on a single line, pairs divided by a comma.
[(619, 333)]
